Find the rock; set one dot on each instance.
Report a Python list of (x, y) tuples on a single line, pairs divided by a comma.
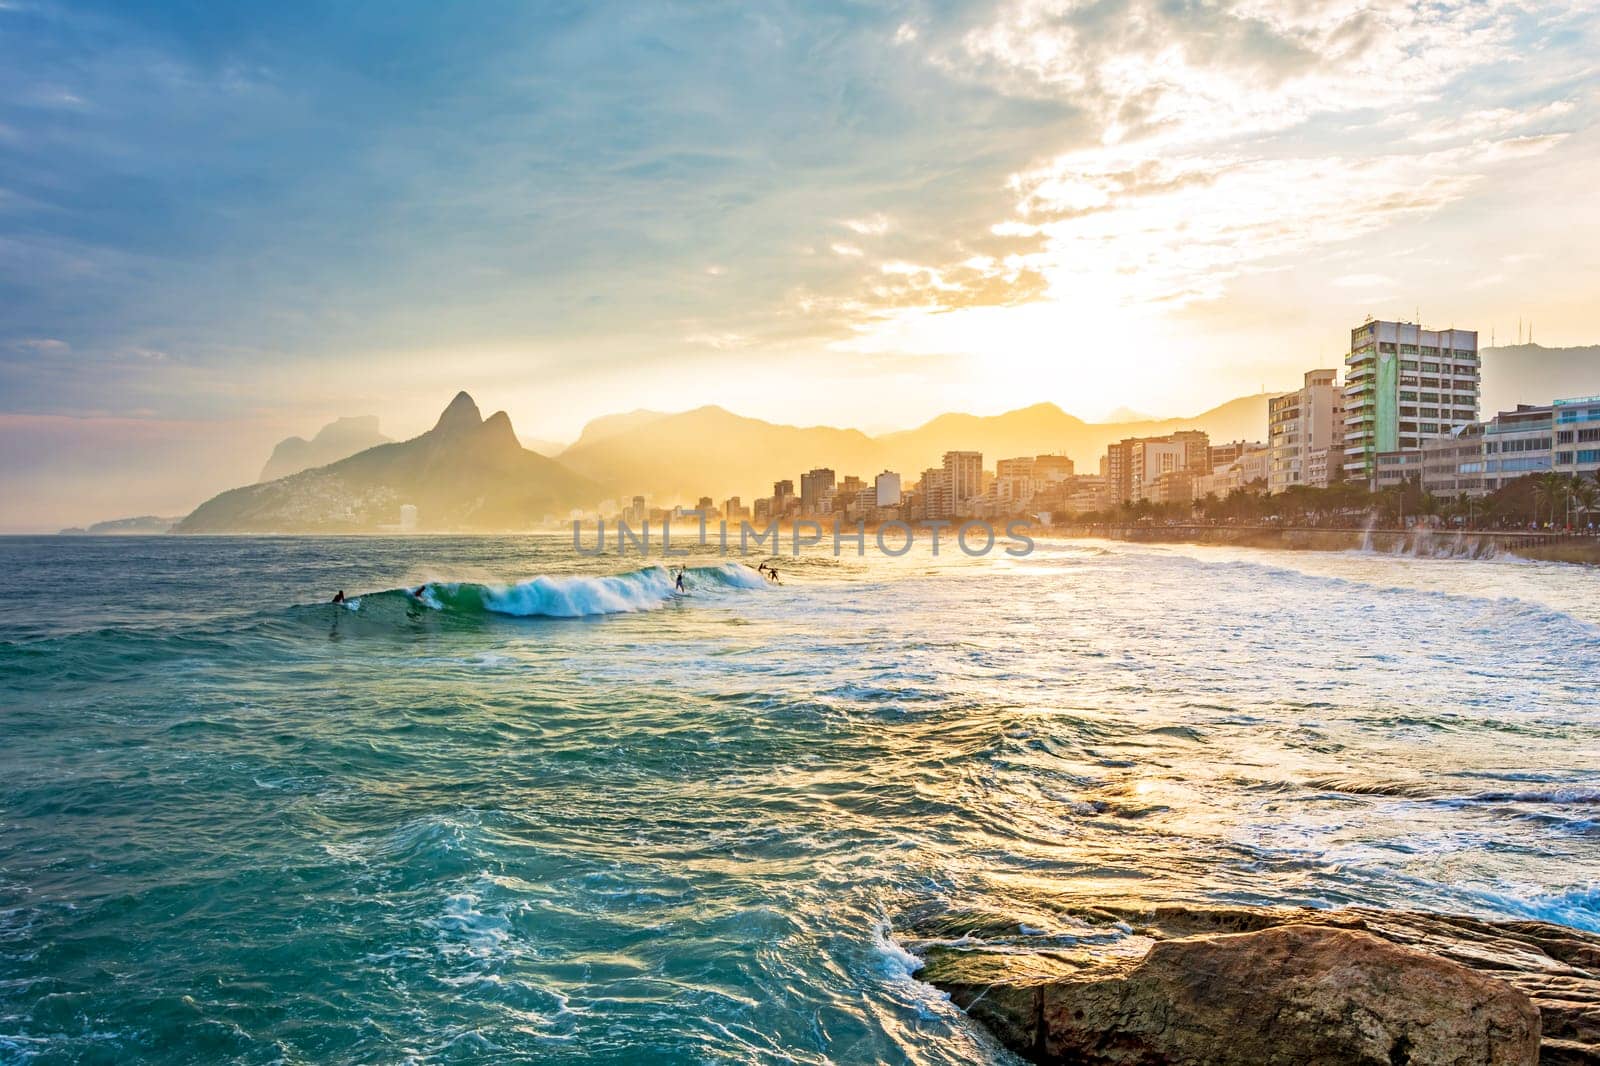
[(1260, 986)]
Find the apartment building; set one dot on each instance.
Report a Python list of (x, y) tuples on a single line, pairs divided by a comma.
[(1403, 385), (1305, 430)]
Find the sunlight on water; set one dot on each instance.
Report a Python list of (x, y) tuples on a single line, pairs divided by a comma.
[(554, 810)]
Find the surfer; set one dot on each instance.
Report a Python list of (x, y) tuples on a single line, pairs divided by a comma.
[(772, 575), (338, 597), (681, 569), (421, 591)]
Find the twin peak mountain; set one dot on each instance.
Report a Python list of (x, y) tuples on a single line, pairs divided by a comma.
[(471, 473)]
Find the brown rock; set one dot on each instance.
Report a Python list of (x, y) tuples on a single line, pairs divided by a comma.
[(1266, 986)]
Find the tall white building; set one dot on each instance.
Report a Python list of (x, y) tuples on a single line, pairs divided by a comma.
[(1305, 431), (886, 489), (1404, 384), (963, 473)]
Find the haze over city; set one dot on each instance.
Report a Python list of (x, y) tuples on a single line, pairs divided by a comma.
[(221, 227)]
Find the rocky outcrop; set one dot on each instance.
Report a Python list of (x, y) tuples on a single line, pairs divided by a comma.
[(1259, 987), (337, 440), (467, 473)]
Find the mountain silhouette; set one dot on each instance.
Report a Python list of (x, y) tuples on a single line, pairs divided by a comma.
[(712, 452), (334, 441), (1532, 373), (466, 473), (707, 451)]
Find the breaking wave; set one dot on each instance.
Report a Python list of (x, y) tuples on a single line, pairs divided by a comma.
[(572, 596)]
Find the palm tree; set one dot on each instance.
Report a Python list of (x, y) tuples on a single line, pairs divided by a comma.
[(1586, 497), (1550, 490)]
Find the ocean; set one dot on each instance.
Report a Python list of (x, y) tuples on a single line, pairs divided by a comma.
[(554, 812)]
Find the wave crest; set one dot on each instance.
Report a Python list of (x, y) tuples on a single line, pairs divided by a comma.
[(577, 595)]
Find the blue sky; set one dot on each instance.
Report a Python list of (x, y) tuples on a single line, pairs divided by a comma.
[(220, 224)]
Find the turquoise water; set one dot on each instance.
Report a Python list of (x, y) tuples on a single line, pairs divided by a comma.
[(238, 823)]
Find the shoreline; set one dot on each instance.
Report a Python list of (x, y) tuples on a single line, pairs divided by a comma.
[(1420, 543)]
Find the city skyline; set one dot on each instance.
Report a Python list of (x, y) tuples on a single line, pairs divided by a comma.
[(220, 228)]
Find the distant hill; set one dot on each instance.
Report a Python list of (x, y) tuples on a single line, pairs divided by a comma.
[(710, 451), (1532, 373), (142, 526), (466, 473), (1046, 428), (547, 448), (334, 441)]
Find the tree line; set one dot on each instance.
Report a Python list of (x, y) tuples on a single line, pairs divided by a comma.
[(1550, 500)]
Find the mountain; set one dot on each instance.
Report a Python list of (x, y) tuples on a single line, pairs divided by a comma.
[(547, 448), (1532, 373), (712, 452), (466, 473), (142, 526), (707, 451), (334, 441)]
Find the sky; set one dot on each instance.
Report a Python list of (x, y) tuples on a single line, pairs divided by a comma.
[(222, 224)]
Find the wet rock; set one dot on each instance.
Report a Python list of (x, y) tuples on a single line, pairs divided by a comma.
[(1264, 986)]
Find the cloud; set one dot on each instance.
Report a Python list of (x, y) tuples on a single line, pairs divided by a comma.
[(41, 345), (876, 226), (1364, 281), (566, 193), (1493, 122)]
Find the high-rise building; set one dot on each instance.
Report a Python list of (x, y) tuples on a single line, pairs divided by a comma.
[(1305, 430), (886, 489), (1014, 468), (814, 485), (934, 493), (1051, 469), (782, 493), (733, 509), (964, 476), (1223, 454), (1403, 385), (1133, 464)]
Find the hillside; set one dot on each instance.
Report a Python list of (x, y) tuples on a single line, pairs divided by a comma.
[(140, 526), (466, 473), (1532, 373), (710, 451), (337, 440)]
